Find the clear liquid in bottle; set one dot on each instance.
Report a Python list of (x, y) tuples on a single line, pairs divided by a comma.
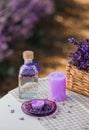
[(28, 77)]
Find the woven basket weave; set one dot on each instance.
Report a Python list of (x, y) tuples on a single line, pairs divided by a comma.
[(77, 80)]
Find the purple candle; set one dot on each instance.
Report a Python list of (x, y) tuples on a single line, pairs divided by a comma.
[(57, 86), (36, 104)]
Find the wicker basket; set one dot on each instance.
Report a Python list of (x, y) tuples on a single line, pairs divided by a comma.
[(77, 80)]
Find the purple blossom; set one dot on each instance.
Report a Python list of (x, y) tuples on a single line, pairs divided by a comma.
[(12, 111), (71, 40), (87, 40), (21, 118), (80, 58), (18, 19)]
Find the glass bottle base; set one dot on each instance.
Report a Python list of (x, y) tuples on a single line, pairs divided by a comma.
[(28, 96)]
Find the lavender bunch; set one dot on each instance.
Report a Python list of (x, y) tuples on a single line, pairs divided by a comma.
[(80, 58), (19, 19)]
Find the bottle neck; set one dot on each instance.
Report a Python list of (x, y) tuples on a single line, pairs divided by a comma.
[(27, 61)]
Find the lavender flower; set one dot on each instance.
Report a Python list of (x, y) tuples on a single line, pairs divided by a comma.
[(21, 118), (80, 58), (12, 111)]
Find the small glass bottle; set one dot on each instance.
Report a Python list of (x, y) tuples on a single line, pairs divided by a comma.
[(28, 77)]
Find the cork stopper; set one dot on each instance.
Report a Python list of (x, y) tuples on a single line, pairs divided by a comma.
[(28, 55)]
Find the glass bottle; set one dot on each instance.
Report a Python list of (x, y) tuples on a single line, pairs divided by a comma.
[(28, 77)]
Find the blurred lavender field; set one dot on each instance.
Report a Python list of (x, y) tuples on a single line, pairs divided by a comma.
[(41, 26), (18, 20)]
